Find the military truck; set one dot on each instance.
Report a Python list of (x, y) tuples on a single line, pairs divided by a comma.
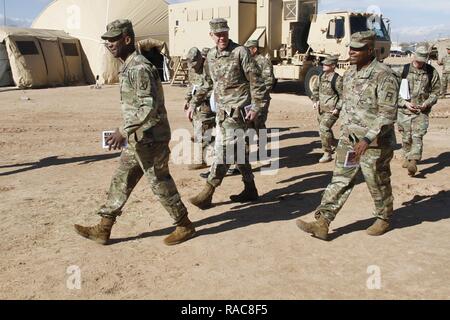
[(291, 32)]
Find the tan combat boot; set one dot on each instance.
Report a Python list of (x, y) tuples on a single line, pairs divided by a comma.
[(378, 228), (203, 199), (412, 167), (99, 233), (318, 228), (405, 163), (250, 193), (184, 231)]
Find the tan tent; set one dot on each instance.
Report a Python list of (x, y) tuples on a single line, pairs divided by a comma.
[(40, 58), (87, 20)]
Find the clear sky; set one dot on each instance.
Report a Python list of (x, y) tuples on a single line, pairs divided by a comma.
[(412, 20)]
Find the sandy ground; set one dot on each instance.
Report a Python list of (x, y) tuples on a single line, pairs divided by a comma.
[(54, 173)]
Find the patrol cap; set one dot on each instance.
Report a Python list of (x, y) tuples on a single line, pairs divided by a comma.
[(361, 39), (193, 55), (421, 54), (330, 60), (205, 52), (117, 28), (218, 25), (252, 43)]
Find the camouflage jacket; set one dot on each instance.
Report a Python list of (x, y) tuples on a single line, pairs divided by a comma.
[(420, 89), (266, 67), (323, 92), (196, 81), (446, 64), (370, 104), (142, 100), (235, 79)]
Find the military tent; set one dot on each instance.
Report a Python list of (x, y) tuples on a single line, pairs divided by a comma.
[(41, 58), (87, 20)]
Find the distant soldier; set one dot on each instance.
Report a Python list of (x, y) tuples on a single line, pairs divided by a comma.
[(445, 72), (327, 100), (367, 138), (147, 130), (413, 114), (266, 67), (202, 117), (235, 79)]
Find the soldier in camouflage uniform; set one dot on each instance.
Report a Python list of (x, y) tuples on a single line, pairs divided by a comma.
[(413, 114), (369, 112), (235, 79), (326, 97), (266, 67), (445, 73), (147, 130), (203, 119)]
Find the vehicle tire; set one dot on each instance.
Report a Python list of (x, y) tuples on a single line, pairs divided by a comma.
[(311, 76)]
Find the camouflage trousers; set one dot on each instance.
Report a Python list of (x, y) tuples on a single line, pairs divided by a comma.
[(375, 167), (151, 160), (204, 120), (230, 148), (326, 121), (444, 83), (413, 128), (260, 121)]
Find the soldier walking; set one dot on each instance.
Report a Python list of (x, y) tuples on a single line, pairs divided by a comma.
[(327, 100), (235, 79), (147, 130), (445, 73), (202, 117), (266, 68), (367, 133), (413, 114)]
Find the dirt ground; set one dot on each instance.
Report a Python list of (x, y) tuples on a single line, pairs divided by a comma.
[(54, 173)]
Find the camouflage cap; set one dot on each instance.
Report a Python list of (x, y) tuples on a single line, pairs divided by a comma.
[(330, 60), (361, 39), (118, 27), (219, 25), (252, 43), (421, 54), (205, 52), (193, 55)]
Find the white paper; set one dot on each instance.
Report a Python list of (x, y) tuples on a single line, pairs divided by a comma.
[(212, 103), (350, 160), (105, 135), (194, 90), (404, 90)]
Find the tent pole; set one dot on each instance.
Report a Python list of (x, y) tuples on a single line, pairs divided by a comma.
[(107, 13)]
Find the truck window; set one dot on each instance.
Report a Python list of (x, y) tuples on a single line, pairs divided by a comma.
[(336, 28), (362, 23)]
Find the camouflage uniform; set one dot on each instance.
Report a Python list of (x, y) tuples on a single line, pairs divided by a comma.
[(412, 126), (266, 67), (204, 120), (235, 79), (148, 132), (445, 73), (323, 93), (369, 112)]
